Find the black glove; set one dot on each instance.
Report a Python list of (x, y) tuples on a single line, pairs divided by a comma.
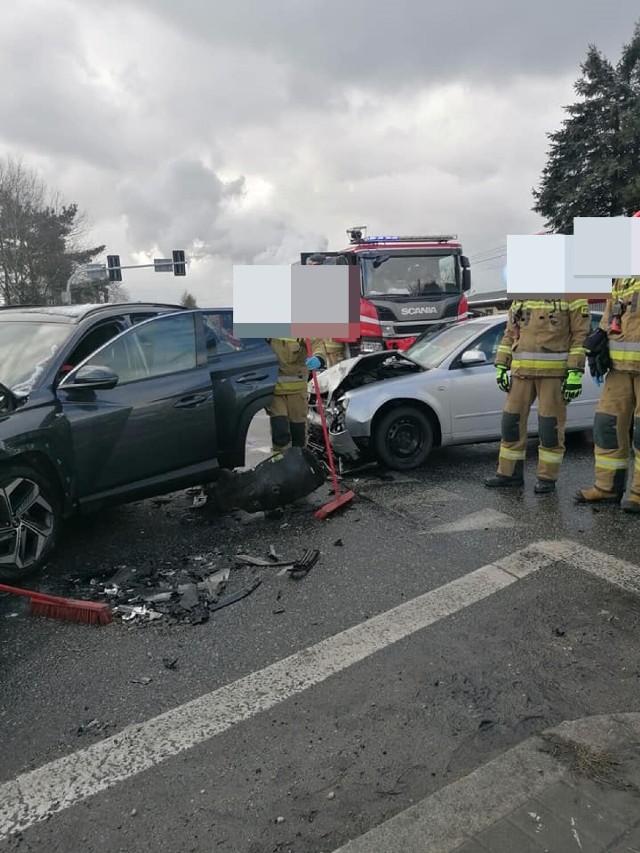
[(597, 346)]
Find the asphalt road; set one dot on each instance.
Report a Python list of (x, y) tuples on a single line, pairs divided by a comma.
[(329, 703)]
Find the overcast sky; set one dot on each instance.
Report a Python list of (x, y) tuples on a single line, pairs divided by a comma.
[(249, 131)]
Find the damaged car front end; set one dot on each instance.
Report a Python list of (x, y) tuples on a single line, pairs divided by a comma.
[(349, 428)]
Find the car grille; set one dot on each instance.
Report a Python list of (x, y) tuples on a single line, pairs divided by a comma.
[(407, 330)]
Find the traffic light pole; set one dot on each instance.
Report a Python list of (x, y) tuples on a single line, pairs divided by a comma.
[(112, 270)]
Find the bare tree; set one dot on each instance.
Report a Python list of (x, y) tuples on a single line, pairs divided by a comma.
[(118, 293), (42, 240)]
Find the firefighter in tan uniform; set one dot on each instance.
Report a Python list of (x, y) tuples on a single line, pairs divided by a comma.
[(332, 351), (544, 347), (614, 351), (288, 408)]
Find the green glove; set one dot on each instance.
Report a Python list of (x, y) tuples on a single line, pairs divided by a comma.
[(502, 378), (572, 385)]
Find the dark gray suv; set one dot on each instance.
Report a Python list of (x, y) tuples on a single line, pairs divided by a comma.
[(114, 403)]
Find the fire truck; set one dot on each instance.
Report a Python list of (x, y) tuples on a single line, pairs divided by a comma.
[(408, 285)]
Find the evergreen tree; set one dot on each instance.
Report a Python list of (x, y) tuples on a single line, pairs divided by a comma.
[(593, 166), (41, 239), (188, 300)]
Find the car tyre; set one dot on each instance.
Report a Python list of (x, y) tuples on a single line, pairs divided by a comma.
[(403, 438), (29, 521)]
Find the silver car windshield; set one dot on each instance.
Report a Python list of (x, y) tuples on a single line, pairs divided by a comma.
[(25, 350), (432, 350)]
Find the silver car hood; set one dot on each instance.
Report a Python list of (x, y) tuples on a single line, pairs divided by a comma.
[(332, 380)]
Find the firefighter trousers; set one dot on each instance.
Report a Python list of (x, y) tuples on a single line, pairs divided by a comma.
[(618, 404), (288, 420), (552, 417)]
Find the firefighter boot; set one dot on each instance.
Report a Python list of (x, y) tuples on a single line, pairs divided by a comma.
[(501, 481), (544, 487), (632, 504), (594, 495)]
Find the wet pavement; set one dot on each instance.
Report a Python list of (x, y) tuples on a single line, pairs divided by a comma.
[(390, 713)]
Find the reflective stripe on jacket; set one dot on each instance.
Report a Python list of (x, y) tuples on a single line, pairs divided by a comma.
[(545, 337), (293, 373), (624, 347)]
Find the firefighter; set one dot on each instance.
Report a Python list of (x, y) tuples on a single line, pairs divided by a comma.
[(614, 351), (333, 352), (288, 408), (544, 347)]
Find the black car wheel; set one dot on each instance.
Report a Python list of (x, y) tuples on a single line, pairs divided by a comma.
[(403, 438), (28, 521)]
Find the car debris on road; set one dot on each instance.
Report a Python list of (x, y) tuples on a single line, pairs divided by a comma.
[(191, 594)]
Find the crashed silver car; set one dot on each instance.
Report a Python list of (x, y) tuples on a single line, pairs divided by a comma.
[(397, 407)]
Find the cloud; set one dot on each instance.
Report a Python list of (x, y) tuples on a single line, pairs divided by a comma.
[(408, 42), (251, 131)]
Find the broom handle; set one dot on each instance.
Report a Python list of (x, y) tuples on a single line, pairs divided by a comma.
[(34, 596), (323, 420)]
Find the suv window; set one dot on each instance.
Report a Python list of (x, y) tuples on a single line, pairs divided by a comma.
[(218, 334), (159, 347), (97, 337)]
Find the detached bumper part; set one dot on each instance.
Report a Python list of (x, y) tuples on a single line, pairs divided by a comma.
[(280, 480)]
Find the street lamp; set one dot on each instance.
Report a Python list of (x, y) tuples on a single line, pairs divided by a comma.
[(89, 272)]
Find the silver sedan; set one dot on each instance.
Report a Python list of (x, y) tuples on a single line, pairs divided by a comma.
[(397, 407)]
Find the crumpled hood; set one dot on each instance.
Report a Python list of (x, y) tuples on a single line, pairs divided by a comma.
[(332, 379)]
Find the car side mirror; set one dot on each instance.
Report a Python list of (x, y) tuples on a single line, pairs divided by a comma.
[(91, 377), (466, 274), (472, 357)]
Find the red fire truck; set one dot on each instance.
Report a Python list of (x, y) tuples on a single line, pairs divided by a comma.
[(408, 285)]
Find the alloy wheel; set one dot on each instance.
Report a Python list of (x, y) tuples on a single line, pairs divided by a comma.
[(26, 523)]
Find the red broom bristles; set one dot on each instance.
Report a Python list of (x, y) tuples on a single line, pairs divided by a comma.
[(70, 609)]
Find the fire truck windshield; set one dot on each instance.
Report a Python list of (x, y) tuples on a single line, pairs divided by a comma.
[(410, 275)]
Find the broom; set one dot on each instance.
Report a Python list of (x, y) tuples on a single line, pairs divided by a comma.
[(71, 609), (340, 499)]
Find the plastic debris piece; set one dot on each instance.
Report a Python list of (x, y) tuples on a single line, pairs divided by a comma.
[(129, 613), (170, 663), (248, 560), (199, 614), (235, 596), (144, 680), (211, 585), (159, 597), (190, 597), (303, 566), (274, 555)]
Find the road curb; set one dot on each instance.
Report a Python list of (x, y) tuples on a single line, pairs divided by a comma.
[(444, 821)]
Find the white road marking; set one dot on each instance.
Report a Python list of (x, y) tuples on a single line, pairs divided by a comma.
[(54, 787), (447, 819), (486, 519), (34, 796), (611, 569)]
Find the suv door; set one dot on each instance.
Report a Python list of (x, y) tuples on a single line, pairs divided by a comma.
[(157, 423), (243, 373)]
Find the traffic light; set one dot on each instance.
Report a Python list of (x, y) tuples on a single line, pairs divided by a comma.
[(179, 267), (113, 267)]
